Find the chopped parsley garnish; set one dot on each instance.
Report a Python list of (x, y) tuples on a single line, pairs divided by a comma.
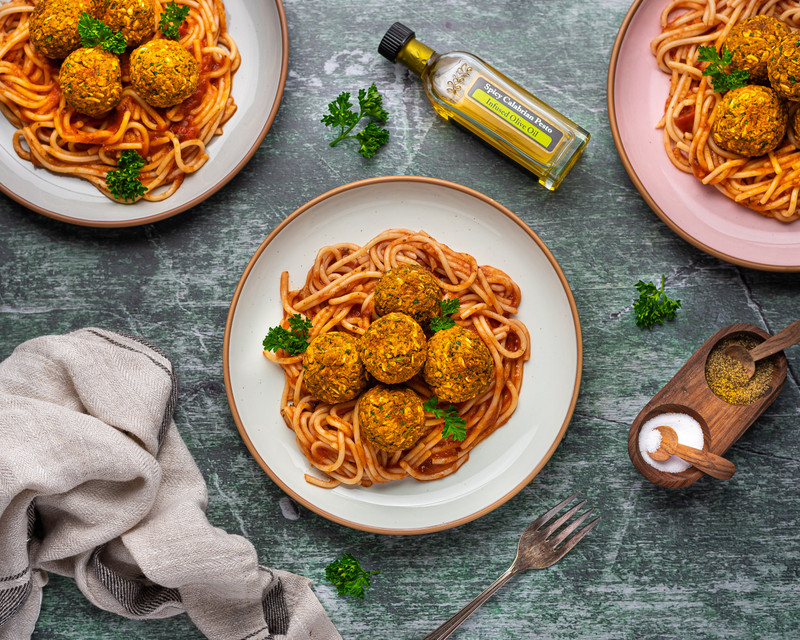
[(653, 305), (448, 307), (171, 20), (293, 340), (123, 182), (95, 32), (454, 426), (721, 80), (348, 576), (340, 114)]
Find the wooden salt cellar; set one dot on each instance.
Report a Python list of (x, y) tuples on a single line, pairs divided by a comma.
[(688, 392)]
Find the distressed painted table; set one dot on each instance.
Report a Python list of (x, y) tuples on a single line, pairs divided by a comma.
[(716, 560)]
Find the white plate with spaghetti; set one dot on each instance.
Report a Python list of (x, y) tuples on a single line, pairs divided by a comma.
[(260, 33), (467, 221), (698, 213)]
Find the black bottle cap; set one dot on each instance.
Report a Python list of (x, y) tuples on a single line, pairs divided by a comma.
[(394, 40)]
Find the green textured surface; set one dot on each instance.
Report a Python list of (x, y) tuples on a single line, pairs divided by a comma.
[(716, 560)]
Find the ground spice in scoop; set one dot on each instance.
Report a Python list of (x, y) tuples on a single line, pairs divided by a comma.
[(727, 378)]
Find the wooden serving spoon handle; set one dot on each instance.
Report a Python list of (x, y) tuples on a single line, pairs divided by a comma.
[(712, 464), (785, 338), (747, 357)]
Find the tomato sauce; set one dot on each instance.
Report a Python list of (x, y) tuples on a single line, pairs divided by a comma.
[(685, 119), (186, 127), (53, 98)]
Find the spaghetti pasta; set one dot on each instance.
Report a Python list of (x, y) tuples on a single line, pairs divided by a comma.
[(172, 140), (338, 296), (768, 184)]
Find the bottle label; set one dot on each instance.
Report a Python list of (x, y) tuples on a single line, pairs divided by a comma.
[(514, 113)]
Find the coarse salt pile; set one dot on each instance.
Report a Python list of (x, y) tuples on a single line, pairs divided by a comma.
[(688, 430)]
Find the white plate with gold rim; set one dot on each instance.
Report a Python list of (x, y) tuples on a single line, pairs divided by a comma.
[(260, 32), (466, 221)]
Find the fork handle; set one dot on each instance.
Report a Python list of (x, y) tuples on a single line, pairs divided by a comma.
[(448, 627)]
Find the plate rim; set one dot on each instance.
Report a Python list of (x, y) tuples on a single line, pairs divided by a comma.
[(386, 180), (205, 194), (631, 171)]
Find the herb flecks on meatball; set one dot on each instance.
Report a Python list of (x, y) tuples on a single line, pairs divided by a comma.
[(783, 67), (163, 73), (391, 418), (409, 289), (135, 19), (53, 25), (332, 369), (91, 81), (750, 43), (750, 120), (458, 366), (393, 348)]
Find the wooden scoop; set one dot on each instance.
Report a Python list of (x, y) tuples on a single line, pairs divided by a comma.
[(714, 465), (786, 338)]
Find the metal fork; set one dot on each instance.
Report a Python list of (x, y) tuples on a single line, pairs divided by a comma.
[(540, 545)]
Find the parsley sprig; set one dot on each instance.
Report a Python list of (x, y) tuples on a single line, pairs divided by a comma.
[(448, 307), (340, 114), (293, 340), (94, 32), (721, 80), (123, 182), (170, 21), (454, 426), (348, 576), (653, 305)]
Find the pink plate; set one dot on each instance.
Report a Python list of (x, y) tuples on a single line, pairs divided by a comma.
[(637, 92)]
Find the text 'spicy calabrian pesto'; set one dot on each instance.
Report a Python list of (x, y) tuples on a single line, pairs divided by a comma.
[(469, 92)]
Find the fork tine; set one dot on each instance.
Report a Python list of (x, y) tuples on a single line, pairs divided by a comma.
[(567, 531), (536, 524), (551, 528), (577, 537)]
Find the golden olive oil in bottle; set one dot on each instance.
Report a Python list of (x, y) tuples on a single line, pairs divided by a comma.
[(471, 93)]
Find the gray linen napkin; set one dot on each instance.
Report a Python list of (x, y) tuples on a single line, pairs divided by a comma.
[(96, 484)]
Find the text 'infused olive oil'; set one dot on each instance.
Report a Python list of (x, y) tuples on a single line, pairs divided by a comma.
[(466, 90)]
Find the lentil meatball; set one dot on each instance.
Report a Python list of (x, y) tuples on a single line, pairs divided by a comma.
[(53, 25), (458, 365), (91, 80), (409, 289), (750, 120), (750, 43), (393, 348), (783, 67), (332, 369), (391, 418), (135, 19), (163, 73)]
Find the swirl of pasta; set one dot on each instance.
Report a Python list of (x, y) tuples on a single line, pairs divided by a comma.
[(768, 184), (338, 296)]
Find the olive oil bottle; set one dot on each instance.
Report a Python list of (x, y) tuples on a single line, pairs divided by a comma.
[(469, 92)]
